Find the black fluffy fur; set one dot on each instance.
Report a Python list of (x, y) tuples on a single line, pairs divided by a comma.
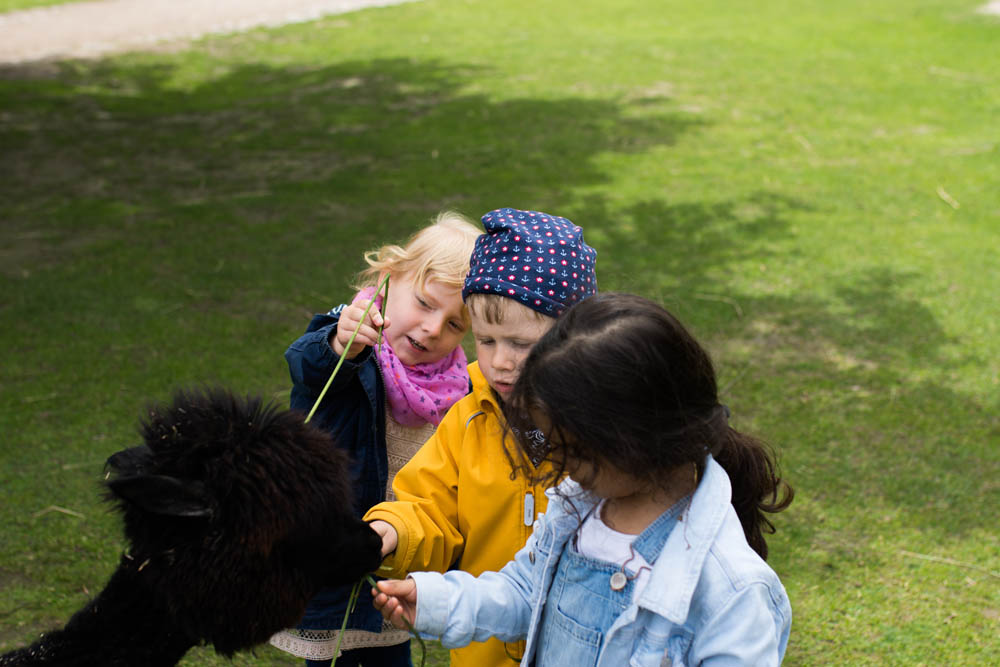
[(237, 513)]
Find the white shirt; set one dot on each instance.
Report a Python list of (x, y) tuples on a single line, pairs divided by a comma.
[(595, 539)]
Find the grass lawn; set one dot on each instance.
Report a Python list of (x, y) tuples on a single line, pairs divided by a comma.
[(814, 187)]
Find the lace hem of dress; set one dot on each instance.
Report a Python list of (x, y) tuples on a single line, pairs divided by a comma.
[(322, 644)]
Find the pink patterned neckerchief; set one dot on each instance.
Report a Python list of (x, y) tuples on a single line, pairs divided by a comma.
[(421, 393)]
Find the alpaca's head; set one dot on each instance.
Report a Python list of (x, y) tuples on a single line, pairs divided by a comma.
[(237, 513)]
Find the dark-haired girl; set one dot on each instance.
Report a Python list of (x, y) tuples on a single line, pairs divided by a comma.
[(652, 549)]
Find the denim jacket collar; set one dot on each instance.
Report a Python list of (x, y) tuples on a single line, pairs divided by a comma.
[(675, 574)]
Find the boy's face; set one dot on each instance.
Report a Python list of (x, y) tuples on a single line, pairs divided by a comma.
[(502, 348)]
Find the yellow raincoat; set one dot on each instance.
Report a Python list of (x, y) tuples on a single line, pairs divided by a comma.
[(456, 506)]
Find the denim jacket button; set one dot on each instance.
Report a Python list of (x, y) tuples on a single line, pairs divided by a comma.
[(531, 557)]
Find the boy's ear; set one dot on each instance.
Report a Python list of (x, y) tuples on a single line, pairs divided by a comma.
[(163, 495)]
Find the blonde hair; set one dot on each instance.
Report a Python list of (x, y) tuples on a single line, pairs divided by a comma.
[(440, 251), (494, 308)]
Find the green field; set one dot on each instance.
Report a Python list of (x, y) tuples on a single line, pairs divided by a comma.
[(813, 187)]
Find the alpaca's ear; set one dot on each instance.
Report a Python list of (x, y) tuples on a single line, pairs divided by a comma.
[(159, 494)]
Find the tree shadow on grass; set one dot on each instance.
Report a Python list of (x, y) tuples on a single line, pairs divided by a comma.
[(251, 194), (336, 146), (655, 247)]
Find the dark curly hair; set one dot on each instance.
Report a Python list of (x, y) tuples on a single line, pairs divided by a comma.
[(621, 382)]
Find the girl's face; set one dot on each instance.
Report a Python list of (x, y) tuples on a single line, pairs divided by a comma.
[(605, 480), (425, 323)]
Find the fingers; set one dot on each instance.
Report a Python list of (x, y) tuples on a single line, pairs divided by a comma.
[(357, 309), (396, 600), (403, 588), (374, 317), (397, 616), (367, 333), (387, 606)]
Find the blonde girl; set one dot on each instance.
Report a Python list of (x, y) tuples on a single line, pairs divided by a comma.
[(384, 402)]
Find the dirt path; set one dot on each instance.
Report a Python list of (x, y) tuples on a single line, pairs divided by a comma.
[(88, 29)]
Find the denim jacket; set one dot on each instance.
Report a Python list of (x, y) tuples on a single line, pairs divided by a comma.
[(710, 598), (353, 410)]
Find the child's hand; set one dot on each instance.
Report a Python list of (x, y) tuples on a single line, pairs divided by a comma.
[(367, 335), (388, 534), (397, 599)]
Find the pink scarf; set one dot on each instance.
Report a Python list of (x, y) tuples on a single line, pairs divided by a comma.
[(421, 393)]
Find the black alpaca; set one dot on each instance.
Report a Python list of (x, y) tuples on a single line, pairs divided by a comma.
[(237, 513)]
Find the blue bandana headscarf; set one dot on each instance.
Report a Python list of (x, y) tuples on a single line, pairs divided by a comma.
[(539, 259)]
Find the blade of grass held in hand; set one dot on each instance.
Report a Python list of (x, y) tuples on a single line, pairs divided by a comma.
[(347, 347)]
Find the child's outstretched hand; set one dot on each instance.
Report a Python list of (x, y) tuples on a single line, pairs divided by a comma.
[(367, 335), (396, 599)]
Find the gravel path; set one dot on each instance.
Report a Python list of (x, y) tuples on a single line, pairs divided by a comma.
[(89, 29)]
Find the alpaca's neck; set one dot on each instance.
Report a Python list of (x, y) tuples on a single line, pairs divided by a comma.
[(119, 627)]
